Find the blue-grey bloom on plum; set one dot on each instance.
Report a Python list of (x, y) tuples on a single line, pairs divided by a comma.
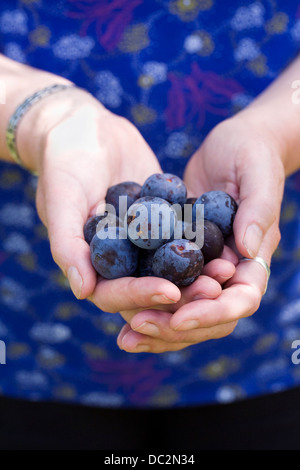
[(113, 255), (167, 186), (179, 261), (128, 189), (220, 208), (151, 222)]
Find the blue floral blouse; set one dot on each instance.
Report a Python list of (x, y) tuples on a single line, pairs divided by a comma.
[(175, 68)]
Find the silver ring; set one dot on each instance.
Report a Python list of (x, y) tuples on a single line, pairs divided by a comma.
[(264, 264)]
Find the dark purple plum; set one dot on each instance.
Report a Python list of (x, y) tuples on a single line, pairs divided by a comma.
[(179, 261), (187, 210), (89, 229), (191, 231), (93, 224), (150, 222), (145, 263), (181, 229), (220, 208), (213, 241), (112, 254), (166, 186), (191, 200), (129, 189)]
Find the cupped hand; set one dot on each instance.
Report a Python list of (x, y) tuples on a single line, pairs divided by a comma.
[(82, 155), (245, 161), (86, 152)]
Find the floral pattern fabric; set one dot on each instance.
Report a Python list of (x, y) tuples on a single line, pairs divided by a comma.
[(175, 68)]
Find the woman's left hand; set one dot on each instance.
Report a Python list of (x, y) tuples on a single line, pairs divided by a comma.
[(243, 159)]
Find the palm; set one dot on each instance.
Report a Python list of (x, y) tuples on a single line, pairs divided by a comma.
[(213, 164), (233, 158), (82, 167), (84, 155)]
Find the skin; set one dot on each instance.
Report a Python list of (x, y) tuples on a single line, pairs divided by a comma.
[(80, 149)]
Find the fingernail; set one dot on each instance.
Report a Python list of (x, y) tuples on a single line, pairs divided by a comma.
[(75, 281), (148, 329), (141, 348), (162, 299), (187, 325), (253, 239)]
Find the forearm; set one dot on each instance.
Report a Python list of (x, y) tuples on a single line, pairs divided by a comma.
[(277, 113), (21, 81)]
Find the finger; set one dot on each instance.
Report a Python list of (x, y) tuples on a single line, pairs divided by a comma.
[(241, 299), (229, 254), (220, 270), (260, 201), (65, 210), (125, 329), (130, 293), (156, 324), (203, 287), (270, 243), (134, 342)]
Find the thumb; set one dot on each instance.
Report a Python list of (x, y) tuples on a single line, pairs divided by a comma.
[(64, 209), (261, 192)]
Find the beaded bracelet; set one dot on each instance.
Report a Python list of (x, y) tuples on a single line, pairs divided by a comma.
[(19, 113)]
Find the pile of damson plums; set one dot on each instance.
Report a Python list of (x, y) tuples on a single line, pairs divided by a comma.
[(155, 230)]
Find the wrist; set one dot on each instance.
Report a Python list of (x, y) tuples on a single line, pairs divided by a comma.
[(21, 82), (45, 115), (259, 120), (277, 115)]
